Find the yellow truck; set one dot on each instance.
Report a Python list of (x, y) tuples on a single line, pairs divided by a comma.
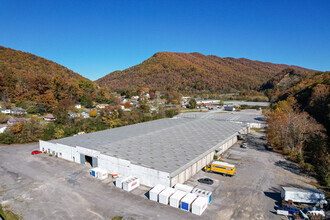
[(220, 167)]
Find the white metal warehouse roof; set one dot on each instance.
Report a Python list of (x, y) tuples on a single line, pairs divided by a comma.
[(168, 145), (241, 117)]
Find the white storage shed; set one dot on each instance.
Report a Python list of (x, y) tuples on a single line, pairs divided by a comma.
[(176, 198), (120, 180), (183, 187), (165, 195), (199, 205), (131, 183), (99, 173), (154, 192), (203, 193), (187, 201)]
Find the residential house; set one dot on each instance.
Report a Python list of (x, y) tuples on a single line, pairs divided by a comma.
[(77, 106), (73, 115), (135, 97), (146, 95), (102, 106), (123, 100), (3, 128), (49, 117), (18, 111), (13, 121), (5, 111), (85, 114)]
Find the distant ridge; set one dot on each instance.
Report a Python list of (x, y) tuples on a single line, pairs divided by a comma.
[(194, 72), (27, 77)]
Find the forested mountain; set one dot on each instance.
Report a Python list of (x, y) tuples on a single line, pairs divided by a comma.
[(194, 72), (26, 77), (310, 89)]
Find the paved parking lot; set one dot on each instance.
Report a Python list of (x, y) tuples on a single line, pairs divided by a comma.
[(43, 187)]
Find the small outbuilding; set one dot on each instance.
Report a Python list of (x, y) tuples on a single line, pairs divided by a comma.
[(49, 117)]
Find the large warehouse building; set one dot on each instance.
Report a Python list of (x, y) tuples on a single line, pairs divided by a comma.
[(165, 151)]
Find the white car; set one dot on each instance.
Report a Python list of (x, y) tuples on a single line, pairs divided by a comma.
[(244, 145), (305, 212)]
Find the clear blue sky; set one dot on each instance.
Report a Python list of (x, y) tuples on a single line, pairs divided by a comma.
[(96, 37)]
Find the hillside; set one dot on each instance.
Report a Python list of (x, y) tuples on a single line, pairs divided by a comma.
[(194, 72), (311, 90), (26, 77)]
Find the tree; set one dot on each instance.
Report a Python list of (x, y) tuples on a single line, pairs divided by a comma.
[(93, 113), (192, 103), (127, 105), (144, 106)]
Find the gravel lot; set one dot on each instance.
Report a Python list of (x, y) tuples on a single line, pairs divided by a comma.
[(43, 187)]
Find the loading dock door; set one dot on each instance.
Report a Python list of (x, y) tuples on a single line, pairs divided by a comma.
[(91, 160), (94, 162), (82, 159)]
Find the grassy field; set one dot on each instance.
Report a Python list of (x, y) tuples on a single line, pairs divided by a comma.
[(7, 214)]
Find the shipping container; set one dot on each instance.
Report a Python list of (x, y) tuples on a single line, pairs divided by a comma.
[(183, 187), (154, 192), (165, 195), (130, 184), (120, 180), (187, 201), (176, 198), (199, 205), (301, 195), (99, 173), (203, 193)]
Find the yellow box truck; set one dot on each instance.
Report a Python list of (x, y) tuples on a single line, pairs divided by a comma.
[(221, 167)]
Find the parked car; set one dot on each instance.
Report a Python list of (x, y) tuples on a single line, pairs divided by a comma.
[(35, 152), (305, 212), (206, 181), (244, 145), (290, 209)]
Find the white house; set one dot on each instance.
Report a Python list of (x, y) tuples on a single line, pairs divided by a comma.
[(136, 97), (3, 128), (85, 114), (5, 111), (77, 106), (102, 105)]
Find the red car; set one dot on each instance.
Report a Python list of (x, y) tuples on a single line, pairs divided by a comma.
[(35, 152)]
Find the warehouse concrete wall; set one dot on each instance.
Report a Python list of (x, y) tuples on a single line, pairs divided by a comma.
[(62, 151), (148, 176), (194, 168)]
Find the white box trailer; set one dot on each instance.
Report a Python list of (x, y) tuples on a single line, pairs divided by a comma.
[(165, 195), (130, 184), (176, 198), (99, 173), (187, 201), (203, 193), (154, 192), (302, 195), (199, 205), (120, 180), (183, 187)]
